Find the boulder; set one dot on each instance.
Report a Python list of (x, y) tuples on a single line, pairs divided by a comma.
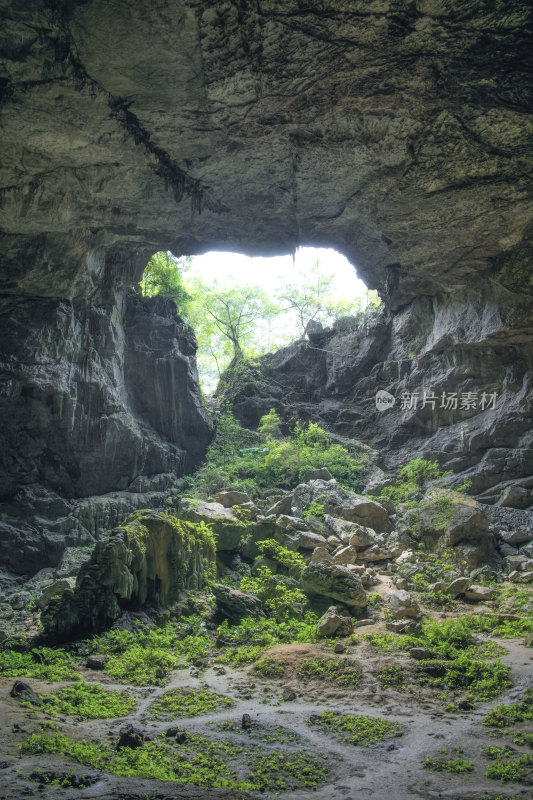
[(351, 532), (234, 604), (375, 553), (22, 691), (305, 540), (55, 590), (288, 523), (341, 503), (402, 605), (317, 474), (282, 506), (336, 582), (321, 555), (233, 498), (226, 526), (458, 586), (479, 593), (345, 555), (334, 623), (130, 736), (152, 558), (263, 528)]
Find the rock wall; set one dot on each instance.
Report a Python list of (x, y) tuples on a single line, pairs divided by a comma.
[(397, 132)]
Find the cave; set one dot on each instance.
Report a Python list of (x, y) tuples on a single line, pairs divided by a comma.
[(397, 132)]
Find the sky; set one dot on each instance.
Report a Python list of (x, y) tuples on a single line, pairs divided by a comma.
[(273, 273)]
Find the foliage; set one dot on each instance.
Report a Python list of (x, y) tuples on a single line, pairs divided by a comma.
[(280, 599), (356, 729), (503, 716), (339, 670), (198, 760), (163, 276), (411, 480), (188, 703), (282, 555), (265, 633), (314, 511), (392, 677), (245, 459), (504, 628), (508, 766), (90, 701), (449, 762), (270, 668), (45, 663)]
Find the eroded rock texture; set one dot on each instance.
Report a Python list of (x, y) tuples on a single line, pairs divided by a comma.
[(397, 131)]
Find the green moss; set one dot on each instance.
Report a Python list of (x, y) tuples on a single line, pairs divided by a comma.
[(385, 642), (508, 766), (45, 663), (90, 701), (392, 677), (342, 671), (503, 716), (188, 703), (270, 668), (447, 761), (356, 729)]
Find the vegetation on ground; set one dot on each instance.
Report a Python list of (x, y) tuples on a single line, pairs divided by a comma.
[(44, 663), (449, 761), (341, 671), (89, 701), (255, 461), (504, 715), (188, 703), (197, 760), (356, 729)]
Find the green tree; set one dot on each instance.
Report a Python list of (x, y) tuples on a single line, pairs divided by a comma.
[(228, 320), (163, 276)]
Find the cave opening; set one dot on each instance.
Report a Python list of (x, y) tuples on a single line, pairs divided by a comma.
[(244, 306)]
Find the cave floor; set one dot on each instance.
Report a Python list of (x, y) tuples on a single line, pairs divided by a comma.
[(388, 769)]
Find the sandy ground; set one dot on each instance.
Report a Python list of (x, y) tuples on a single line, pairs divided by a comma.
[(390, 770)]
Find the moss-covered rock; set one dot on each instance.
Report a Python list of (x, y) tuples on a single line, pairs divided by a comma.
[(150, 559)]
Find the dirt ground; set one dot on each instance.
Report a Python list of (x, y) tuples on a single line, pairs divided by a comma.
[(385, 771)]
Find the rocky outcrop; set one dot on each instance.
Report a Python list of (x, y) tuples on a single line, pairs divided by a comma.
[(149, 560)]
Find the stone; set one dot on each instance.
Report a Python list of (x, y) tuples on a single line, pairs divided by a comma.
[(305, 540), (130, 736), (282, 506), (339, 647), (345, 555), (516, 497), (288, 694), (438, 586), (321, 555), (341, 503), (375, 553), (246, 722), (56, 590), (22, 691), (402, 604), (291, 524), (526, 577), (313, 474), (334, 623), (516, 537), (96, 662), (232, 498), (151, 559), (336, 582), (234, 604), (351, 532), (227, 527), (406, 557), (458, 586), (419, 653), (479, 593)]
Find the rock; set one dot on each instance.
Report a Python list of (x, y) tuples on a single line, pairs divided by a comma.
[(246, 722), (402, 604), (56, 590), (345, 555), (234, 604), (360, 623), (129, 736), (333, 623), (282, 506), (335, 582), (400, 626), (288, 694), (291, 524), (438, 586), (526, 577), (516, 537), (152, 558), (400, 583), (479, 593), (341, 503), (263, 528), (20, 600), (458, 586), (96, 662), (375, 553), (516, 497), (226, 526), (339, 647), (72, 560), (419, 653), (23, 692), (406, 557), (351, 532), (317, 474), (321, 555), (305, 540), (233, 498)]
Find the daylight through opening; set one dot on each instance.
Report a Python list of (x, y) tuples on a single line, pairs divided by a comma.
[(245, 307)]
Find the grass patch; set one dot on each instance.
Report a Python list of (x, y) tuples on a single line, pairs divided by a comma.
[(393, 677), (198, 760), (509, 767), (338, 670), (503, 716), (90, 701), (384, 642), (268, 734), (270, 668), (356, 729), (188, 703), (44, 663), (447, 761)]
